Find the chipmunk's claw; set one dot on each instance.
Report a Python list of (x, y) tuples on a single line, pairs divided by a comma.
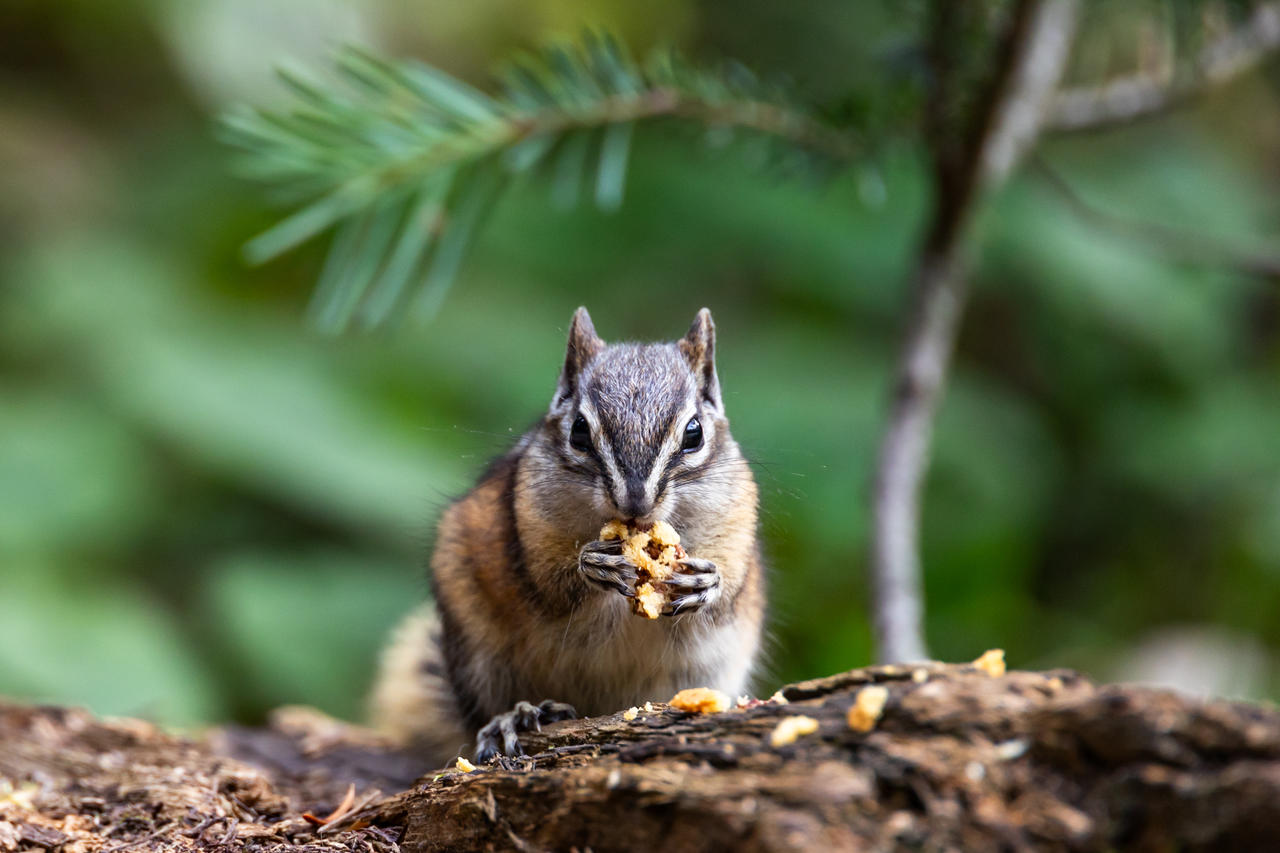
[(697, 575), (501, 735), (602, 564), (697, 585)]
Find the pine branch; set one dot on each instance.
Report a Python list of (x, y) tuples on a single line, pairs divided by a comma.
[(1130, 98), (405, 160)]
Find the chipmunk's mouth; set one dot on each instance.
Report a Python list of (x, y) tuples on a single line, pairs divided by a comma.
[(643, 520)]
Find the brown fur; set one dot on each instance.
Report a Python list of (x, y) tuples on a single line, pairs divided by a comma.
[(519, 620)]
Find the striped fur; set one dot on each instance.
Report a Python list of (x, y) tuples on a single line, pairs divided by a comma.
[(518, 621)]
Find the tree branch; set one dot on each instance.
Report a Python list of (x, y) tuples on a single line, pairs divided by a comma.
[(1173, 243), (1130, 98), (1033, 53), (403, 160)]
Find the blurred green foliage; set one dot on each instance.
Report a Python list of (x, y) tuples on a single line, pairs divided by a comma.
[(208, 509)]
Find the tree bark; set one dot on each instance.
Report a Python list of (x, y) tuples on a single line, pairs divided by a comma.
[(1032, 54), (959, 759)]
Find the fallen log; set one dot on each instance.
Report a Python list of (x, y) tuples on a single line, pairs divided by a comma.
[(958, 758)]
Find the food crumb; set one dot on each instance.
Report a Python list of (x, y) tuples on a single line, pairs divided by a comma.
[(700, 700), (920, 676), (790, 728), (614, 530), (631, 713), (648, 707), (868, 705), (648, 601), (464, 765), (1011, 749), (991, 662), (778, 699)]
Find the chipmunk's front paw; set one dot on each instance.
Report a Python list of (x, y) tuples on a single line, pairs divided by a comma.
[(501, 735), (693, 586), (602, 563)]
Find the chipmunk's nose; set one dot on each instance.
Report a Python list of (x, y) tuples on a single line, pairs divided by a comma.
[(637, 509), (636, 502)]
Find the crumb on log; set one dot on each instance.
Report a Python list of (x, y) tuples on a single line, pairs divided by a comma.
[(958, 759)]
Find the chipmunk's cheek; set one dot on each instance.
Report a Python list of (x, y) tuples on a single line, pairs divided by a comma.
[(671, 508), (691, 502), (602, 503), (663, 506)]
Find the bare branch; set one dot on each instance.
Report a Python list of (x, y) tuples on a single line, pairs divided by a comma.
[(1173, 243), (1033, 53), (1128, 99)]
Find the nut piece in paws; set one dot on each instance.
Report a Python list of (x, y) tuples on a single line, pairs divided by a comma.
[(501, 735), (656, 553)]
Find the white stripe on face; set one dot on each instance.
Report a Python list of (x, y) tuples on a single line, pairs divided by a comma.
[(670, 447), (672, 440), (694, 457), (617, 482), (604, 448)]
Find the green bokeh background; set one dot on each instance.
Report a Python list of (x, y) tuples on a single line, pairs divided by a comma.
[(208, 509)]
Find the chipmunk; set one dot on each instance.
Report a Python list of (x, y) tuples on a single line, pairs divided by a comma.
[(530, 622)]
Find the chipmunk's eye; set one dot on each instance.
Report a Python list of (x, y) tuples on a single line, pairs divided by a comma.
[(692, 436), (580, 434)]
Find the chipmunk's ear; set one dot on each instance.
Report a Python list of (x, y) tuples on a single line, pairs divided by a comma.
[(584, 345), (699, 349)]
